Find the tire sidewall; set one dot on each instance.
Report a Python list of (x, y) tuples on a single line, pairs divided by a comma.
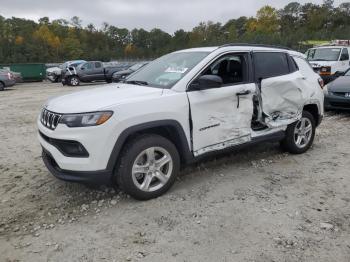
[(123, 173), (289, 142)]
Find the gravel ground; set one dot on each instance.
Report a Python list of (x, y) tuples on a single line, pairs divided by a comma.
[(259, 204)]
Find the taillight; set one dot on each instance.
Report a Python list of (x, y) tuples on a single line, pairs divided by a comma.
[(9, 76), (321, 82)]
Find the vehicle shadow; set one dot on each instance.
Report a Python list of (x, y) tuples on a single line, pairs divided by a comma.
[(345, 113)]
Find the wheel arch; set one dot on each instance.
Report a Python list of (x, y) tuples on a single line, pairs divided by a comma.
[(170, 129), (314, 111)]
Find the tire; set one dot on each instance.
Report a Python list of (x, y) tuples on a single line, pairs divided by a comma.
[(58, 79), (74, 81), (155, 177), (109, 81), (2, 86), (298, 140)]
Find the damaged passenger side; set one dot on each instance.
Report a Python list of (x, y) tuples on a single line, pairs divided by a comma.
[(281, 91)]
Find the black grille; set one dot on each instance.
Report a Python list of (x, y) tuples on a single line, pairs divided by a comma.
[(68, 148), (340, 104), (50, 119)]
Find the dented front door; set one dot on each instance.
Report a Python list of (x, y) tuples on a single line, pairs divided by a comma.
[(221, 117)]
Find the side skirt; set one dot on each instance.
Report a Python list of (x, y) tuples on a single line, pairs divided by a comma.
[(274, 137)]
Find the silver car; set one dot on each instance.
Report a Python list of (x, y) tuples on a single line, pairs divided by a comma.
[(6, 79)]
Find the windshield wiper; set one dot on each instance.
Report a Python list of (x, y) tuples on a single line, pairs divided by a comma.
[(322, 60), (136, 82)]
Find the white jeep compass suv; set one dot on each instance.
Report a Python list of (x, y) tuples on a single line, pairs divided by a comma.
[(178, 108)]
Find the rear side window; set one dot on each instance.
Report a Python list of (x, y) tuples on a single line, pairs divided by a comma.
[(88, 66), (344, 55), (270, 65), (293, 66), (98, 65)]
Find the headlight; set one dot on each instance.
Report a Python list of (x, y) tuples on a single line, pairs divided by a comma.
[(86, 119)]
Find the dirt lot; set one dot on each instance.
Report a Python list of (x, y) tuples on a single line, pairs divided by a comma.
[(258, 204)]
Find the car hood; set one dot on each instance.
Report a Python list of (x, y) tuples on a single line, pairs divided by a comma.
[(101, 98), (341, 84)]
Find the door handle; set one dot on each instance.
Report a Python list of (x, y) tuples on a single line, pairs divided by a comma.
[(243, 93)]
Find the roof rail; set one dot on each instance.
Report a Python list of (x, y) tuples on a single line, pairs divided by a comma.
[(256, 45)]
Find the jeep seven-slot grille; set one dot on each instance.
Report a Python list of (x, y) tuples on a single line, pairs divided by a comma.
[(50, 119)]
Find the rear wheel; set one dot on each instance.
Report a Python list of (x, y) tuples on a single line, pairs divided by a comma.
[(148, 167), (2, 86), (300, 135), (74, 81)]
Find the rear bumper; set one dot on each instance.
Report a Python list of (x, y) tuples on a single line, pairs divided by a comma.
[(336, 102), (86, 177)]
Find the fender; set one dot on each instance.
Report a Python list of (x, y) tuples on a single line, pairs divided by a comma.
[(184, 149)]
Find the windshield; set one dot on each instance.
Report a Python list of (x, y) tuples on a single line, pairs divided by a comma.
[(323, 54), (166, 71)]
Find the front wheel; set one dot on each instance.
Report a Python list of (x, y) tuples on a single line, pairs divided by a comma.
[(2, 86), (300, 135), (74, 81), (148, 167)]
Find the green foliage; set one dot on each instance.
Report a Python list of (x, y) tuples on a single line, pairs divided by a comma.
[(58, 40)]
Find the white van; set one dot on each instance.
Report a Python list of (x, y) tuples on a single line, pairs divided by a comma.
[(328, 60)]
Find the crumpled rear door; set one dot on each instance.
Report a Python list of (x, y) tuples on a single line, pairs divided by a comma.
[(283, 98)]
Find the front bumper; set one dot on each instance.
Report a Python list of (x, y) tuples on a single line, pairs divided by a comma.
[(9, 82), (336, 102), (91, 177), (51, 77), (97, 141)]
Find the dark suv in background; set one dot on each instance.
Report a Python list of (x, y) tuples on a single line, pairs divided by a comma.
[(6, 79)]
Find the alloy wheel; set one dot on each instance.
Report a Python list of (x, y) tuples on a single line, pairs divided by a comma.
[(152, 169), (303, 132)]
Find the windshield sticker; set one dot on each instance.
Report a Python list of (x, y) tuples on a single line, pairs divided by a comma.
[(177, 70)]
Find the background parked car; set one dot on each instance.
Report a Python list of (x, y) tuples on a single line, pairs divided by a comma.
[(54, 74), (121, 75), (337, 93), (17, 77), (91, 71), (6, 79), (328, 60)]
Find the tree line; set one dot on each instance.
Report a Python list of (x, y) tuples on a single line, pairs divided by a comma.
[(23, 40)]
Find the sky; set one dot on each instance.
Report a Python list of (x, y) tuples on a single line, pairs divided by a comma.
[(168, 15)]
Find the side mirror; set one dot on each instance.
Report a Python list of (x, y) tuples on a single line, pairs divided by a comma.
[(344, 57), (339, 73), (207, 82)]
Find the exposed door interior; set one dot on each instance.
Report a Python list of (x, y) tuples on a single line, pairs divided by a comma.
[(282, 88)]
